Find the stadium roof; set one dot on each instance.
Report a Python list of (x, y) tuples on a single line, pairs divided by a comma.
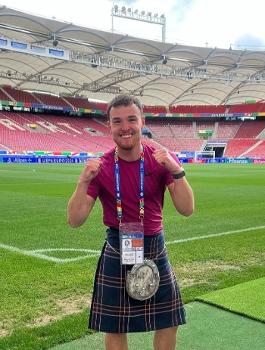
[(101, 64)]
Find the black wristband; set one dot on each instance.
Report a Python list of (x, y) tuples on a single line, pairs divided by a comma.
[(179, 175)]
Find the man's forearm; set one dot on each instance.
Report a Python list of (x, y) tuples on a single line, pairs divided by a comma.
[(79, 206), (182, 196)]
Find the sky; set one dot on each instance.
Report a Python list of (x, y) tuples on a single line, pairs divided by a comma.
[(213, 23)]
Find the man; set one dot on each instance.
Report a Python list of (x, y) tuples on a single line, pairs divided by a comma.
[(130, 182)]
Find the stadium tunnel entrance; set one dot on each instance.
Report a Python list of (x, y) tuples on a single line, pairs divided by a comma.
[(218, 148)]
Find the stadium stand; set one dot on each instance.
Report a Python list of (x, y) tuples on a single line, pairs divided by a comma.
[(249, 129), (247, 108), (78, 102), (236, 147), (155, 110), (20, 95), (62, 132), (98, 106), (198, 109), (258, 150), (4, 96), (182, 129), (159, 128), (182, 145), (50, 100), (226, 130), (21, 132)]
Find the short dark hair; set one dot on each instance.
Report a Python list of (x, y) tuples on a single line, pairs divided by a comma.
[(124, 100)]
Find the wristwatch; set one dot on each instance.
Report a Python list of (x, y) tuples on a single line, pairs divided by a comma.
[(179, 175)]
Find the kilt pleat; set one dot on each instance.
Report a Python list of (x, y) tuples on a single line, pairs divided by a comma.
[(114, 311)]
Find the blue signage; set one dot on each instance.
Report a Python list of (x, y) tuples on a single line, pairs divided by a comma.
[(43, 159)]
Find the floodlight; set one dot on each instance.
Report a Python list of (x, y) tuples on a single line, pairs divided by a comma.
[(54, 40), (164, 60), (144, 16)]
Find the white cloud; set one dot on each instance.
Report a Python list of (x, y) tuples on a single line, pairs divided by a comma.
[(193, 22)]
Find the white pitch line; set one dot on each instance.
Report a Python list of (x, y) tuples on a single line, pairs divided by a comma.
[(36, 253), (215, 235), (29, 253), (66, 249)]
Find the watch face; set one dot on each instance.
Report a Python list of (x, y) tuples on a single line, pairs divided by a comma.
[(142, 281)]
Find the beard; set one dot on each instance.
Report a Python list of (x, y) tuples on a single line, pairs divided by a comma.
[(124, 146), (128, 144)]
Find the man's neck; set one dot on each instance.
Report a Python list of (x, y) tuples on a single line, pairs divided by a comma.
[(130, 155)]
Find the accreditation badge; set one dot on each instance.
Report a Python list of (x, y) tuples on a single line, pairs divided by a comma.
[(131, 243)]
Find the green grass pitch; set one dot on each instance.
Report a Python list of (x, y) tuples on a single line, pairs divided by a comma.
[(44, 301)]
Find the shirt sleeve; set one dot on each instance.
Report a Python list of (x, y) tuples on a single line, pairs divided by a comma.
[(93, 188)]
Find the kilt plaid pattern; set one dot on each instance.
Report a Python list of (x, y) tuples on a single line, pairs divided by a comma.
[(114, 311)]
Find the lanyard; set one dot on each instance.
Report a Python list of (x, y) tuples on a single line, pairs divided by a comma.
[(118, 185)]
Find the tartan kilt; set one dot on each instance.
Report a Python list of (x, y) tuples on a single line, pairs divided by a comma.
[(114, 311)]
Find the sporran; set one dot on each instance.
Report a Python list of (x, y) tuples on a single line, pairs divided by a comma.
[(142, 282)]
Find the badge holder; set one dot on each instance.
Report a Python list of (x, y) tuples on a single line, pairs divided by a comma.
[(131, 243)]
